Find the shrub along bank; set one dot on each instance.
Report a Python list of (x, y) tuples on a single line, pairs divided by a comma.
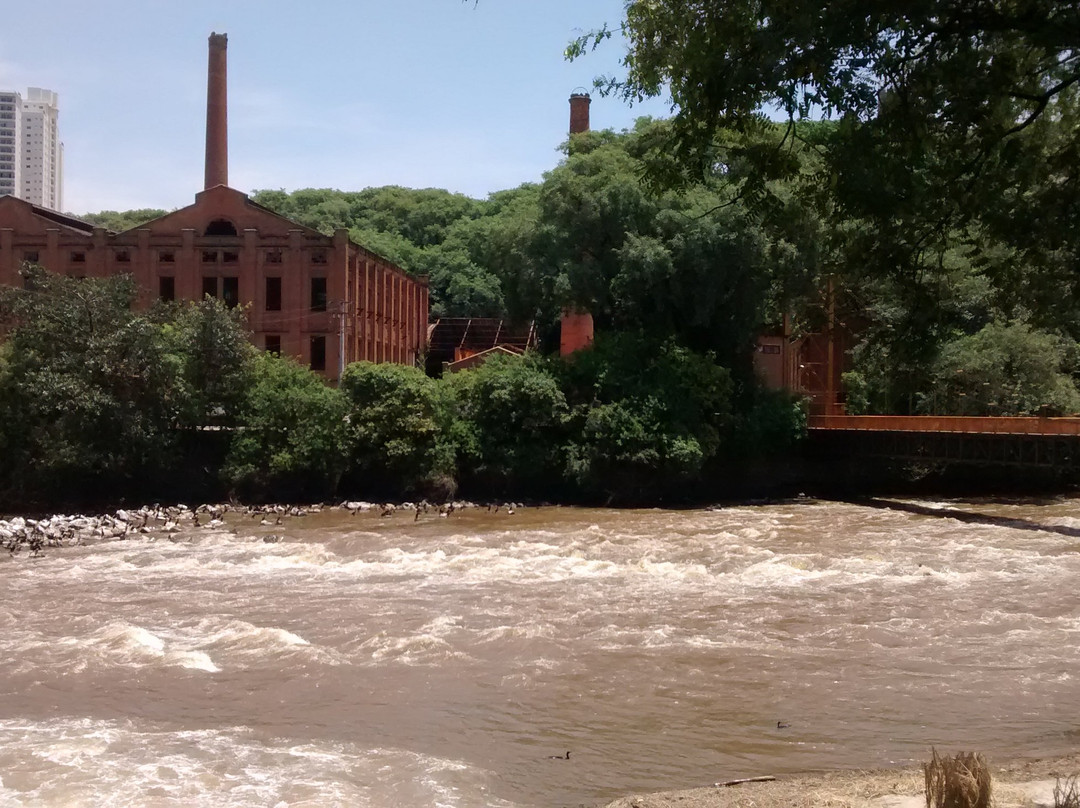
[(99, 403)]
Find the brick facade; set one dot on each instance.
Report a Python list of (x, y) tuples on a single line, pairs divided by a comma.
[(324, 300)]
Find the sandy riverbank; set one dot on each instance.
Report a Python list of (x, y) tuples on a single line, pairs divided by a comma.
[(1018, 784)]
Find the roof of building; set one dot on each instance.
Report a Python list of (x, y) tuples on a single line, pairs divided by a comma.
[(479, 358), (476, 334), (223, 201), (52, 217)]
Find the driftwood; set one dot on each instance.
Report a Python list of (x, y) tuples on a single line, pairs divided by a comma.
[(768, 778)]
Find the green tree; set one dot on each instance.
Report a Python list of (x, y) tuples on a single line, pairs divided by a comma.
[(689, 263), (121, 221), (396, 437), (292, 439), (88, 392), (981, 71), (213, 346), (955, 134), (507, 426), (646, 417), (1005, 369), (412, 228)]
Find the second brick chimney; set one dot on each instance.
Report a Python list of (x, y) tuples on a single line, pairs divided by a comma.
[(579, 112)]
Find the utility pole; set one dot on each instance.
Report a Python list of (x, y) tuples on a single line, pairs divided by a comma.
[(341, 339)]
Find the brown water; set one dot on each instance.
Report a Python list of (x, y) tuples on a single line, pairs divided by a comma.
[(369, 661)]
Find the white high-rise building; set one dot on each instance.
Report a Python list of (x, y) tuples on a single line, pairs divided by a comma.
[(10, 143), (31, 154), (42, 180)]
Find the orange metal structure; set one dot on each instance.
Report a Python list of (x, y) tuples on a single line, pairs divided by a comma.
[(938, 423)]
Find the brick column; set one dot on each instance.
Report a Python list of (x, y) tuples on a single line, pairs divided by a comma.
[(8, 270)]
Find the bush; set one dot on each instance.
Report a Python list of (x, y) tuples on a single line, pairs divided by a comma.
[(212, 344), (291, 441), (395, 432), (646, 418), (1005, 369), (770, 423), (88, 392), (506, 424)]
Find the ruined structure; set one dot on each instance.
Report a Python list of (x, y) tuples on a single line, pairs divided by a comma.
[(324, 300)]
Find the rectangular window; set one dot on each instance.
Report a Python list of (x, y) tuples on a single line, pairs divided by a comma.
[(318, 294), (166, 256), (318, 353), (318, 256), (209, 287), (273, 257), (273, 294), (78, 257), (123, 256), (273, 343), (167, 287), (230, 291), (31, 256), (230, 256), (209, 256)]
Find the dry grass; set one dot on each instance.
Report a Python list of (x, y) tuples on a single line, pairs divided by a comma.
[(873, 789), (959, 782), (1067, 793)]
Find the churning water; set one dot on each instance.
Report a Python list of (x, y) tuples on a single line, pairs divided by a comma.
[(369, 661)]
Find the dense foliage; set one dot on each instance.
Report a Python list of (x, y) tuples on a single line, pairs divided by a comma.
[(291, 440), (121, 221), (918, 190), (648, 417), (395, 431), (100, 401), (943, 186), (94, 396)]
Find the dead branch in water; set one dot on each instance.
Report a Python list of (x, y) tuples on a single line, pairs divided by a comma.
[(765, 779)]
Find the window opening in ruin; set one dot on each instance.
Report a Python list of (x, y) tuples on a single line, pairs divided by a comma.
[(230, 291), (318, 294), (318, 353), (273, 294), (220, 227)]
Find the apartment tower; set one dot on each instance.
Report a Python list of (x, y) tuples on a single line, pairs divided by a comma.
[(31, 154), (43, 154), (10, 143)]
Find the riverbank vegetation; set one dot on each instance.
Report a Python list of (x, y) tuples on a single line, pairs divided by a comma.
[(99, 402), (917, 181)]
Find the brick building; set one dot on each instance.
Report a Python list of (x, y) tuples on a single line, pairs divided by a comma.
[(324, 300)]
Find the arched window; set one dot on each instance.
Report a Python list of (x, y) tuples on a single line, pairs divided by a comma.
[(220, 227)]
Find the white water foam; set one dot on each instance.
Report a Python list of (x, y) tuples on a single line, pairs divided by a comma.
[(86, 762)]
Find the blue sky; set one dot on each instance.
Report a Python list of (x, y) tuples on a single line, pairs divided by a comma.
[(332, 93)]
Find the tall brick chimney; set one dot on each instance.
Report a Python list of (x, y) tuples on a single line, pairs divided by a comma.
[(579, 112), (576, 323), (217, 114)]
